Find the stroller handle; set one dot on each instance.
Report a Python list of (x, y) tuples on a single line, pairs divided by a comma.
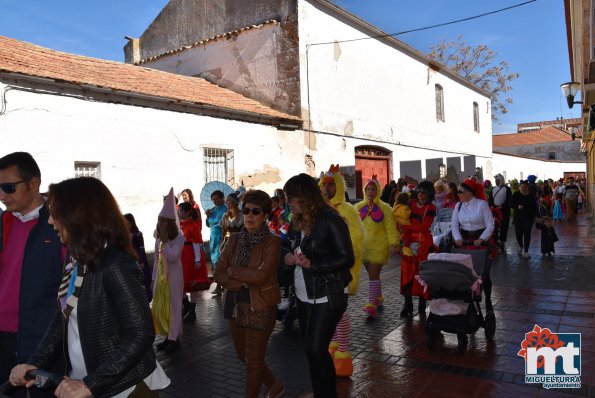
[(44, 379)]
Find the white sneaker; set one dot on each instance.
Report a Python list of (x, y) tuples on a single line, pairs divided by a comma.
[(526, 255)]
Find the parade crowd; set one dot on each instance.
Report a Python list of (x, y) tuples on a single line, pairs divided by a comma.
[(80, 297)]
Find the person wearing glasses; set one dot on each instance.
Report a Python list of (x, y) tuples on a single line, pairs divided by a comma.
[(319, 247), (102, 320), (419, 233), (472, 219), (31, 258), (247, 270)]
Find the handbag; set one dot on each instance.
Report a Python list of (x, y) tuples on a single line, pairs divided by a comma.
[(247, 317), (335, 290)]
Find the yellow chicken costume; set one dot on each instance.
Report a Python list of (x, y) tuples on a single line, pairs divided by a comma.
[(339, 346), (380, 234), (402, 215)]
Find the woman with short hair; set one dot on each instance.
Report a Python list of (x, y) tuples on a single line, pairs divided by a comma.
[(247, 270)]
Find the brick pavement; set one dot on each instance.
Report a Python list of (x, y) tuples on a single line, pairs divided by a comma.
[(390, 355)]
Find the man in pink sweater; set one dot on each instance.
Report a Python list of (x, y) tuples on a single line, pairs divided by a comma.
[(31, 258)]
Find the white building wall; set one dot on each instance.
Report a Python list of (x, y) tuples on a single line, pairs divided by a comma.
[(515, 167), (242, 63), (370, 89), (143, 151)]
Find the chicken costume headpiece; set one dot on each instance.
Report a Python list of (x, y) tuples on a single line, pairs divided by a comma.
[(372, 209), (334, 175)]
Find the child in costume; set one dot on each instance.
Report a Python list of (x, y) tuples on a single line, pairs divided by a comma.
[(402, 215), (332, 186), (168, 279), (193, 259), (380, 240), (557, 212), (548, 235)]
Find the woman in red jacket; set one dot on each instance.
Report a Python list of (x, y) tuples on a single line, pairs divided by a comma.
[(422, 217)]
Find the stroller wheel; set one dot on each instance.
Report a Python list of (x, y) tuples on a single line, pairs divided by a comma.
[(463, 341), (490, 325)]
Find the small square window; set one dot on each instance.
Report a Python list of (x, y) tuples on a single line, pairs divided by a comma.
[(551, 155), (87, 169), (219, 165)]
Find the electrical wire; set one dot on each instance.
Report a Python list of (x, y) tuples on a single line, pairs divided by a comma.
[(426, 27)]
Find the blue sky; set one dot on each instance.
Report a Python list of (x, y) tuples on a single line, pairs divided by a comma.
[(531, 38)]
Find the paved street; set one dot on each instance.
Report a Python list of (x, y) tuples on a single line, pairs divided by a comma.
[(390, 355)]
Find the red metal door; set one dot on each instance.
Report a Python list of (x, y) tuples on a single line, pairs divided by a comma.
[(365, 167)]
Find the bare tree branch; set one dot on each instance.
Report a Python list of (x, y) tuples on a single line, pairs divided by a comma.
[(478, 65)]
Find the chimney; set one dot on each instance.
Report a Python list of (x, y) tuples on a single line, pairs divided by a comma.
[(132, 50)]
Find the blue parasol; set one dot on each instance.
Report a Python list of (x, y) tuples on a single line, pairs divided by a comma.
[(207, 191)]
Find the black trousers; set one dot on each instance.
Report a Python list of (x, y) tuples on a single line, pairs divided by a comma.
[(8, 360), (503, 232), (522, 229), (318, 323)]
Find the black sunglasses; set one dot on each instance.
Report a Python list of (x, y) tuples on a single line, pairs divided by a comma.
[(422, 191), (10, 187), (255, 210)]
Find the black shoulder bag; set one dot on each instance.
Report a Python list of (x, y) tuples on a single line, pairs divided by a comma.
[(334, 290)]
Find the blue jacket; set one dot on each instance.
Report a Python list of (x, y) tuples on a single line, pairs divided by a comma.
[(40, 279)]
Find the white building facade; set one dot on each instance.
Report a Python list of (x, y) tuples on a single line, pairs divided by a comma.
[(375, 106)]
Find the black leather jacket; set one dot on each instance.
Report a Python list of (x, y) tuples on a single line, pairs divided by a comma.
[(328, 247), (115, 327)]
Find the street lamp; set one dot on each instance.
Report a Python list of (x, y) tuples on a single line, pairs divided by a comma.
[(569, 90)]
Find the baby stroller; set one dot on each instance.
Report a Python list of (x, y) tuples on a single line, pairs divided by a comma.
[(456, 281), (44, 380), (441, 229)]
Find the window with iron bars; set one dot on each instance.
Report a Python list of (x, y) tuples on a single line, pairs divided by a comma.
[(87, 169), (218, 165)]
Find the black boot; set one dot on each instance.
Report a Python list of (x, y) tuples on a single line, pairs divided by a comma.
[(163, 345), (422, 306), (185, 305), (407, 311), (191, 313), (172, 346)]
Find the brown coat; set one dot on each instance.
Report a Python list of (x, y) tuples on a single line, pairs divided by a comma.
[(260, 276)]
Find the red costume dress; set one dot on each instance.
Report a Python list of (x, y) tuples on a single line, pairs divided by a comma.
[(419, 231), (194, 279)]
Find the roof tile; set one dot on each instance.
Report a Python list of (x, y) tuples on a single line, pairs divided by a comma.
[(542, 136), (31, 60)]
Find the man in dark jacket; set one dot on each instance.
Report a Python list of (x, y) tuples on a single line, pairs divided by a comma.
[(500, 198), (30, 262)]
